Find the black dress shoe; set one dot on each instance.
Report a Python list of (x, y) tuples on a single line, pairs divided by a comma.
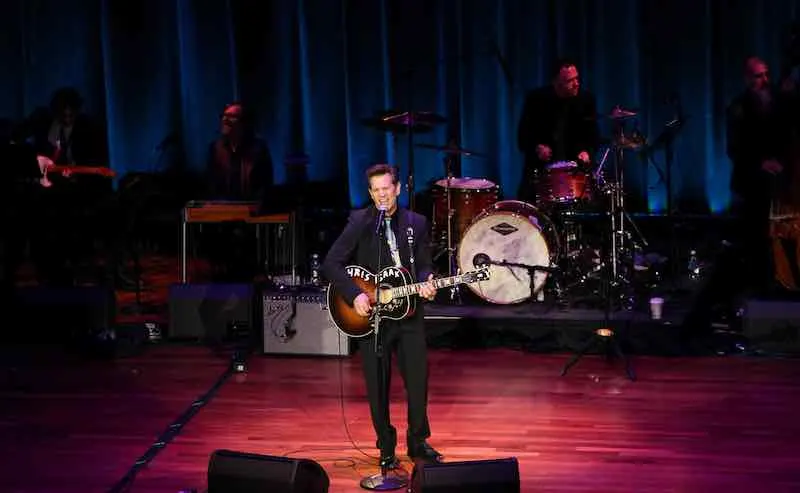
[(425, 453), (389, 461)]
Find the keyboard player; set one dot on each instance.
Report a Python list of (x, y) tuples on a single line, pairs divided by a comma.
[(239, 168)]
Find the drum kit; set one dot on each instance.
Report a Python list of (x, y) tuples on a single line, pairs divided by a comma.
[(543, 247)]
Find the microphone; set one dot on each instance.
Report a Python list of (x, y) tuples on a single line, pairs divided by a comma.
[(381, 215), (481, 260)]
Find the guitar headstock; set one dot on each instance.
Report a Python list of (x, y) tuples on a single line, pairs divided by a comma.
[(482, 273)]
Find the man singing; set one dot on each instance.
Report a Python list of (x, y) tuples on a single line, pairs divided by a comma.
[(359, 244), (558, 123)]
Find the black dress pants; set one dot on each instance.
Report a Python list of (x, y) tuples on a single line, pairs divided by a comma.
[(408, 338)]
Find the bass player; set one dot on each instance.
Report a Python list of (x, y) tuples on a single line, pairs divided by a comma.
[(405, 238)]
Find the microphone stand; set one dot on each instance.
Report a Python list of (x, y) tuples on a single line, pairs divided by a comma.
[(381, 481)]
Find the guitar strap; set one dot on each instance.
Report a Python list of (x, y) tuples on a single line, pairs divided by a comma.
[(392, 240)]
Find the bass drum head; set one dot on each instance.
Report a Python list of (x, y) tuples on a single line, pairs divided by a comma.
[(511, 232)]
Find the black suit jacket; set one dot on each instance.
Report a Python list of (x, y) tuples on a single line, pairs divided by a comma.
[(755, 135), (253, 164), (358, 244)]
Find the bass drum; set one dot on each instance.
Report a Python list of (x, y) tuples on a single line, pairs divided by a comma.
[(516, 235)]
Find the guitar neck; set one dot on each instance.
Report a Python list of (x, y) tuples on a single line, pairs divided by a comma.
[(409, 289)]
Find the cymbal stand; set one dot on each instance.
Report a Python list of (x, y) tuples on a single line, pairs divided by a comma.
[(455, 291), (620, 238)]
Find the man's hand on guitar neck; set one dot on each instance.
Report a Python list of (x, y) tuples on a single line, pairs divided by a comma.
[(45, 165), (427, 290)]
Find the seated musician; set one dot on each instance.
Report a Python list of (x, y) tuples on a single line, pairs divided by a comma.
[(558, 123), (69, 204), (239, 168)]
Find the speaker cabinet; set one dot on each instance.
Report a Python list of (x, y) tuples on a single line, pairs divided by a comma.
[(239, 472), (298, 323), (497, 476), (59, 314), (205, 312)]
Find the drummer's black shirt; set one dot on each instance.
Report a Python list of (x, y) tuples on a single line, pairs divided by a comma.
[(566, 125)]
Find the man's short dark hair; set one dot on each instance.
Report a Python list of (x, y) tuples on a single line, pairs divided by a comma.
[(559, 64), (383, 169)]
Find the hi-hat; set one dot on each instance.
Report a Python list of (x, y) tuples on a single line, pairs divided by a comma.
[(452, 149)]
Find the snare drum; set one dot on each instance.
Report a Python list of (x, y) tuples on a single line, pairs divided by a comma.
[(468, 198), (564, 182), (516, 234)]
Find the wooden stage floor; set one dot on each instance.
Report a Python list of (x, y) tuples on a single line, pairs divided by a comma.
[(688, 424)]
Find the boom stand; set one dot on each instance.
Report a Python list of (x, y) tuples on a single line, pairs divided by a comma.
[(389, 478)]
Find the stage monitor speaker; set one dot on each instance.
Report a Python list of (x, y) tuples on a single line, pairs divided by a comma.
[(495, 475), (772, 326), (239, 472), (204, 312), (297, 322)]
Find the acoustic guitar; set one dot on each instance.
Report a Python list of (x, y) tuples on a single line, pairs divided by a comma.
[(395, 299)]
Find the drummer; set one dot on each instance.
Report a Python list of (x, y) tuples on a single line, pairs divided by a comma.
[(558, 123)]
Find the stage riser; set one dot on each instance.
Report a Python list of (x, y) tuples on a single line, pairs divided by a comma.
[(551, 336)]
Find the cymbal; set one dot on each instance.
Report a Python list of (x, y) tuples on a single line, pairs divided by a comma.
[(402, 121), (394, 128), (409, 118), (618, 113), (452, 149)]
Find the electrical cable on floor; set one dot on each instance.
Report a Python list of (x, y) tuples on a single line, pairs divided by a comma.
[(170, 433)]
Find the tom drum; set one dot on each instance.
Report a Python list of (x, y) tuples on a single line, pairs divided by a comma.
[(564, 182), (514, 237), (468, 198)]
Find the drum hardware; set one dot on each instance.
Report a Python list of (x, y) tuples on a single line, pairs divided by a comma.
[(605, 335), (408, 122), (452, 148), (456, 202), (522, 243), (619, 217), (564, 182), (452, 169), (455, 291)]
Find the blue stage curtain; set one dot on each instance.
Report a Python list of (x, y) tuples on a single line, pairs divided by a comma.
[(159, 72)]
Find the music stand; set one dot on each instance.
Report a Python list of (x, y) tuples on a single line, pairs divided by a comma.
[(666, 140)]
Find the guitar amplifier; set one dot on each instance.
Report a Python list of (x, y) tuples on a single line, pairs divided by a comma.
[(297, 322)]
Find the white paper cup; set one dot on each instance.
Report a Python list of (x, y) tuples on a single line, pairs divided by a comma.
[(656, 308)]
